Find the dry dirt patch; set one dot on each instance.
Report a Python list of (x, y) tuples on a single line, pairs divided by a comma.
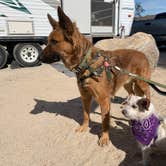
[(40, 110)]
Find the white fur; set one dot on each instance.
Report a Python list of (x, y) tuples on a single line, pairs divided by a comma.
[(156, 146)]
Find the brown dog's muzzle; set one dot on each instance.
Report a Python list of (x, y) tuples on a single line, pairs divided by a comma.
[(48, 57)]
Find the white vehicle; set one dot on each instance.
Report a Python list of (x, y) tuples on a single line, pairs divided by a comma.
[(24, 26)]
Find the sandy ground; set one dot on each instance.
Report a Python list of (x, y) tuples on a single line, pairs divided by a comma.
[(40, 110)]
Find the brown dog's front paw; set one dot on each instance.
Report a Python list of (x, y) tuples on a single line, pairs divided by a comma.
[(104, 140), (82, 128)]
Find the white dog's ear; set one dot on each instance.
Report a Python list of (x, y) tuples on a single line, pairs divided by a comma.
[(144, 103)]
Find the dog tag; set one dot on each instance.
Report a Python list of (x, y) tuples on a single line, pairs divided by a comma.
[(106, 64)]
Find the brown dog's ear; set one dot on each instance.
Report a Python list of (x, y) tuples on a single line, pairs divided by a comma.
[(144, 103), (52, 21), (65, 22)]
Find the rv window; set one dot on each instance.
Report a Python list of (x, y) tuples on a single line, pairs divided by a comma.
[(101, 13)]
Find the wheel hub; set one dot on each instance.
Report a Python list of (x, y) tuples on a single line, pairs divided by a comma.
[(29, 53)]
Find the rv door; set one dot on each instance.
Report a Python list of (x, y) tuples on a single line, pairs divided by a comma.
[(79, 11), (102, 17)]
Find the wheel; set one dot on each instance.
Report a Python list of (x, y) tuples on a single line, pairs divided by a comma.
[(27, 54), (3, 57)]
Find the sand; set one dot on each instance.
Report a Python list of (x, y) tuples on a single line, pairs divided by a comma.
[(40, 108)]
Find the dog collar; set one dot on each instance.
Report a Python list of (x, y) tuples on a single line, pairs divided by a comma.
[(84, 63), (146, 130)]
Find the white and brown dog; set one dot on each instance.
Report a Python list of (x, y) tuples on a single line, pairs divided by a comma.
[(148, 127)]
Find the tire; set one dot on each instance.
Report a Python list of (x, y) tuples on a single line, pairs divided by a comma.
[(27, 54), (3, 57)]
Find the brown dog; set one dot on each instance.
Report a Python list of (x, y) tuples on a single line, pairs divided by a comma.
[(67, 42)]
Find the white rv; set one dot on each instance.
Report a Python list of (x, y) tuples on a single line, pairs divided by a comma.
[(24, 26)]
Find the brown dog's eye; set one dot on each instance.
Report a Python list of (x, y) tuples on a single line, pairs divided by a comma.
[(53, 41), (134, 106)]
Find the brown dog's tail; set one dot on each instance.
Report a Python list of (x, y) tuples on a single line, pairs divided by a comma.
[(157, 89)]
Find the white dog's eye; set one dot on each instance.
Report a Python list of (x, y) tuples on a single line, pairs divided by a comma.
[(134, 106)]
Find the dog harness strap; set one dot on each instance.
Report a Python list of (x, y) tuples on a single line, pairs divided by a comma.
[(107, 68), (84, 65), (146, 130)]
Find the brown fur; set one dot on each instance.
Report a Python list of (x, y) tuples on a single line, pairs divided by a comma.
[(66, 41)]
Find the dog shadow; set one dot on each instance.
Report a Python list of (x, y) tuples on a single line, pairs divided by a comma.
[(120, 136), (158, 158), (71, 108), (59, 66)]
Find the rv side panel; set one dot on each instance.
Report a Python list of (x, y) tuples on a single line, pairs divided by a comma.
[(33, 11), (3, 29), (53, 3)]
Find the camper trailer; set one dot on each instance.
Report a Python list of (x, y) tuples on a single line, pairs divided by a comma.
[(24, 26)]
